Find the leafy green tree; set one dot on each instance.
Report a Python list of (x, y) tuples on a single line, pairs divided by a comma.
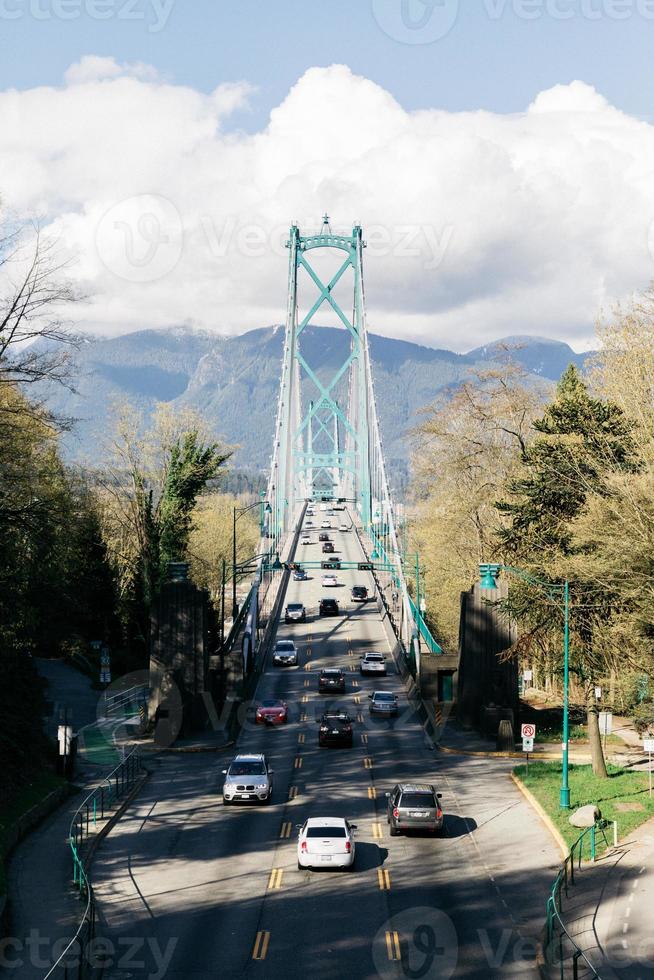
[(581, 442)]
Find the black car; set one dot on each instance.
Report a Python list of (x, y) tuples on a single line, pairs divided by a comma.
[(331, 679), (335, 728), (359, 593), (328, 548), (328, 607), (323, 536)]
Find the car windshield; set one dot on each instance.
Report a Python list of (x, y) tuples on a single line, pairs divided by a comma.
[(326, 831), (328, 602), (247, 769), (295, 607), (285, 645), (333, 718), (384, 697), (417, 799), (331, 673), (272, 704), (374, 656)]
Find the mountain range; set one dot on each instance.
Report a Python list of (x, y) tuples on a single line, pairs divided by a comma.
[(234, 381)]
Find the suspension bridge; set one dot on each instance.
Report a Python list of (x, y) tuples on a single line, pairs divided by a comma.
[(327, 442)]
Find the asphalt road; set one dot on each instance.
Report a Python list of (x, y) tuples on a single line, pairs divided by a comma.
[(190, 889)]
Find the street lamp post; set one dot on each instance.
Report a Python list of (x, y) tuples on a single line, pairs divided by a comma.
[(489, 573), (238, 513)]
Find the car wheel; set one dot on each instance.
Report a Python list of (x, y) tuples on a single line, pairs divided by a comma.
[(394, 832), (226, 802)]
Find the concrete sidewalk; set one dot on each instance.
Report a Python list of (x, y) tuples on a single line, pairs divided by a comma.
[(608, 911)]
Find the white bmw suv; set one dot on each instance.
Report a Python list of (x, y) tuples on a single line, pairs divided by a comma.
[(248, 780)]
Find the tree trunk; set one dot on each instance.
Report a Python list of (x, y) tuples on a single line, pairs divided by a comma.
[(594, 737)]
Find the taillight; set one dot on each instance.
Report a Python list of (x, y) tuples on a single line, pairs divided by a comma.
[(396, 812), (348, 846), (303, 845), (323, 728), (439, 813), (348, 728)]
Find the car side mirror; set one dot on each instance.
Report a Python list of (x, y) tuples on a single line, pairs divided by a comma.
[(387, 795), (439, 796), (224, 772), (270, 772), (370, 697), (353, 826)]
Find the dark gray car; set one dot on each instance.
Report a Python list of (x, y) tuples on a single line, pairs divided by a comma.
[(414, 806)]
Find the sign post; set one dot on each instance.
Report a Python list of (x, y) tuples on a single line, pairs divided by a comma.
[(528, 733), (648, 746), (605, 725)]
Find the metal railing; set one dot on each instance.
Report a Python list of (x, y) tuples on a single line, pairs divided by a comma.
[(561, 949), (118, 700), (76, 962)]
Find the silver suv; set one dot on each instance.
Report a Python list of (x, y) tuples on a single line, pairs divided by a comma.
[(248, 779), (414, 806)]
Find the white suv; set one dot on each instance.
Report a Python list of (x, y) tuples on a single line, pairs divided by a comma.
[(248, 779)]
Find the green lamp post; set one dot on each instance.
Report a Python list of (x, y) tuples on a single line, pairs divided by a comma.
[(489, 573)]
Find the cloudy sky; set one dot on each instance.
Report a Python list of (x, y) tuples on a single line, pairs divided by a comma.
[(501, 164)]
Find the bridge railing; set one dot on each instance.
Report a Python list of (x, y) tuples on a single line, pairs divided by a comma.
[(77, 960)]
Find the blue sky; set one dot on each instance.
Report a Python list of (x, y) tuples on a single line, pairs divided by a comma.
[(494, 57)]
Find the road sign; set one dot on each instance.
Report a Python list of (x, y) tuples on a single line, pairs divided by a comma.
[(528, 675), (527, 744), (64, 736), (364, 566), (648, 745), (528, 731), (605, 722)]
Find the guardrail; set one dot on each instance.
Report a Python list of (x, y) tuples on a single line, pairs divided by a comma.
[(76, 962), (117, 700), (560, 948)]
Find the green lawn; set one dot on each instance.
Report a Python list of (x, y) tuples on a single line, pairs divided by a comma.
[(622, 786), (577, 733), (24, 799)]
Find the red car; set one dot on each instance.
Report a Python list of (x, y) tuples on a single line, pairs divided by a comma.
[(273, 712)]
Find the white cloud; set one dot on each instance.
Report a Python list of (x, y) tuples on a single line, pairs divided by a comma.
[(479, 225)]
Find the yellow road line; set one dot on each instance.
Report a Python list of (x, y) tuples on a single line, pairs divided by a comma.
[(298, 762), (359, 717), (305, 698), (275, 880), (300, 738), (353, 667), (293, 792), (304, 716), (261, 945), (307, 682), (393, 946), (372, 793), (367, 763), (357, 699), (364, 738), (285, 830), (307, 665), (383, 879), (355, 683), (377, 832)]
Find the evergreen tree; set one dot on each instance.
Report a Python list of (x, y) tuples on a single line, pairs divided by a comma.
[(582, 441)]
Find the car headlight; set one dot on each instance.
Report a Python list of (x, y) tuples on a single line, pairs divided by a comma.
[(262, 786)]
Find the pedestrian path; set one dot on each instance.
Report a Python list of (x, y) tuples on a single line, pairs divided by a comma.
[(608, 911)]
